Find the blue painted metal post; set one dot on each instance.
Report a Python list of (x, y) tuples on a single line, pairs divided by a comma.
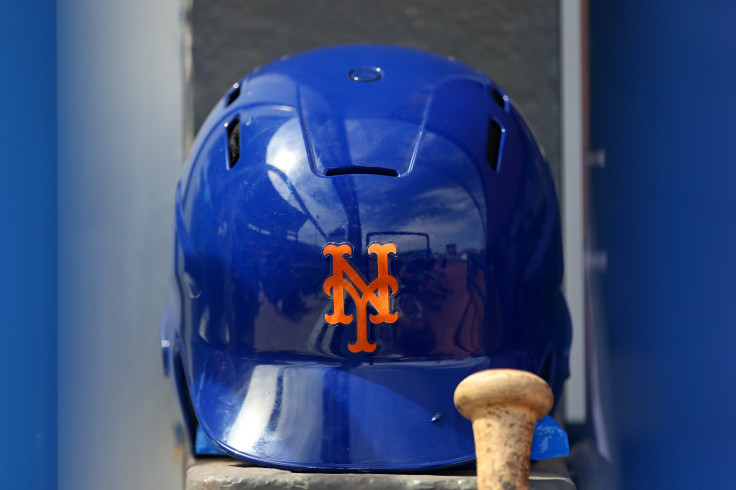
[(28, 244), (663, 105)]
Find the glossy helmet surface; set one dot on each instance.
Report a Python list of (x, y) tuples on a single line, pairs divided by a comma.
[(358, 229)]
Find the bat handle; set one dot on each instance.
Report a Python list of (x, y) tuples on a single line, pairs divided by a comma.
[(504, 406)]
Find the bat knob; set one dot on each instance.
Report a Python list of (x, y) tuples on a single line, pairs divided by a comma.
[(504, 406)]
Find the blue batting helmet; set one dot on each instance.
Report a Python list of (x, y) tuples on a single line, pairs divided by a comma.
[(357, 230)]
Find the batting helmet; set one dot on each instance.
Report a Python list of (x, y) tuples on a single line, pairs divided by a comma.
[(357, 230)]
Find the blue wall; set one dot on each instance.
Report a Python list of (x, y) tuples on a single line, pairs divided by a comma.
[(663, 100), (28, 244)]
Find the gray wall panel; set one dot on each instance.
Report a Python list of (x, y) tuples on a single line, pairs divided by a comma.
[(119, 153)]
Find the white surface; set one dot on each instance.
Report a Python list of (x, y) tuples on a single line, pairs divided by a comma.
[(572, 199), (120, 140)]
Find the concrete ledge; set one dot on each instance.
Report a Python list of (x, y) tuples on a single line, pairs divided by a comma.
[(217, 473)]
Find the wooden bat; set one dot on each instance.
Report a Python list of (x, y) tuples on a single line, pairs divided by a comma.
[(504, 406)]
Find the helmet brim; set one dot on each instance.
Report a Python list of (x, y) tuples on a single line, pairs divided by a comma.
[(300, 414)]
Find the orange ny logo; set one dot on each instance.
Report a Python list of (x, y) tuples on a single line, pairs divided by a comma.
[(345, 278)]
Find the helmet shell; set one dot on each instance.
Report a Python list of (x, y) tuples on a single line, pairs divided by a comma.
[(358, 229)]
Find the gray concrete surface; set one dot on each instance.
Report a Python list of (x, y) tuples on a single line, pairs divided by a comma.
[(217, 473)]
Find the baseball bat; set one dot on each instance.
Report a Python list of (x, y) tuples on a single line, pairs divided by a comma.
[(504, 406)]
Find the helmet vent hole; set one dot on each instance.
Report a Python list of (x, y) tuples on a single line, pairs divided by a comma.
[(233, 141), (495, 140), (233, 94), (360, 169), (501, 99)]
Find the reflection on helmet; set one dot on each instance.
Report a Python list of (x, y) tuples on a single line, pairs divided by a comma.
[(357, 230)]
